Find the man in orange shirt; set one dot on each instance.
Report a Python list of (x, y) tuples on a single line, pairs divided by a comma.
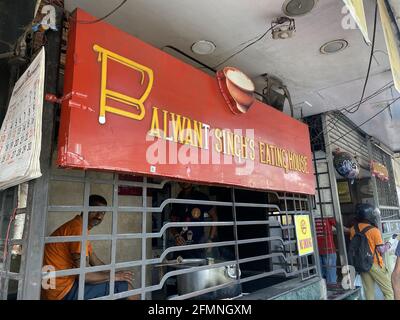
[(67, 255), (378, 273)]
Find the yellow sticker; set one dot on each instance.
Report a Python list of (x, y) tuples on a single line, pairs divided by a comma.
[(304, 235)]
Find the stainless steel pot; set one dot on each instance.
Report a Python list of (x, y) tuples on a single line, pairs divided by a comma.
[(198, 280)]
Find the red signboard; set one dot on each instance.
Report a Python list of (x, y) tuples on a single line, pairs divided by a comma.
[(132, 108)]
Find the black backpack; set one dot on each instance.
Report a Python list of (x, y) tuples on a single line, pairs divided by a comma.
[(359, 253)]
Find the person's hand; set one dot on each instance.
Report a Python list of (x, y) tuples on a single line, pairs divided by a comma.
[(124, 276), (179, 240)]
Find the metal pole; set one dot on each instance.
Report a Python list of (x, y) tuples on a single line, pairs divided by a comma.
[(235, 232), (38, 189), (374, 184), (144, 239), (335, 195), (114, 232), (314, 233)]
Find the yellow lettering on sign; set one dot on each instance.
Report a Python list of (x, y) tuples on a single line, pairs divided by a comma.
[(218, 137), (252, 152), (198, 132), (105, 93), (155, 126), (178, 127)]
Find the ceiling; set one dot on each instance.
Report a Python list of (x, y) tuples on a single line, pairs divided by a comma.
[(317, 82)]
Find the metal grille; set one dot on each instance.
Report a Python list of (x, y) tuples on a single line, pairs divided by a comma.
[(343, 135), (279, 255), (9, 277), (387, 193)]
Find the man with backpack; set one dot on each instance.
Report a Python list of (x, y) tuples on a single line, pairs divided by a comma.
[(365, 253)]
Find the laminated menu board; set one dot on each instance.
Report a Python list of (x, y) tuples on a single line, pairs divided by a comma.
[(21, 131)]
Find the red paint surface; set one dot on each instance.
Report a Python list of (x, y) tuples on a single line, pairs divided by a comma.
[(120, 144)]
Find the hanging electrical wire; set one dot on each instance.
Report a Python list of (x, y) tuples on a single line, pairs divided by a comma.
[(369, 119), (104, 17), (354, 110), (387, 86), (241, 50)]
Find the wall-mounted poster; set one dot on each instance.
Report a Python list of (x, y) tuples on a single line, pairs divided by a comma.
[(304, 235), (21, 131), (344, 192)]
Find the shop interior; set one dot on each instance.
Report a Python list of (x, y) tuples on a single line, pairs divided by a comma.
[(267, 251)]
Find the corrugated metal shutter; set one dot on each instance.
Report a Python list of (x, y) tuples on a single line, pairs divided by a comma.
[(387, 192), (344, 135)]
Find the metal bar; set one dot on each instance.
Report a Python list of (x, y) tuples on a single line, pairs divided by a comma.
[(3, 279), (162, 206), (387, 217), (78, 208), (144, 241), (289, 237), (389, 208), (316, 250), (11, 275), (113, 234), (235, 231), (220, 244), (106, 267), (97, 237), (7, 264), (23, 256), (2, 213), (38, 188), (374, 185), (335, 197), (111, 181), (267, 256), (81, 287), (203, 291)]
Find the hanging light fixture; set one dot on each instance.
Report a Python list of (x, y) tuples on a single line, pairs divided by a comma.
[(203, 47), (295, 8)]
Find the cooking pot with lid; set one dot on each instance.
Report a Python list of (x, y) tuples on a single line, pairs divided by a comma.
[(202, 279)]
